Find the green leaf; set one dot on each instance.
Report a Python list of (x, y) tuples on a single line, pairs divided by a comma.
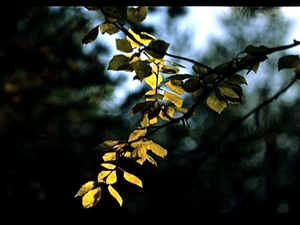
[(227, 91), (250, 49), (91, 36), (180, 77), (120, 62), (159, 48), (108, 28), (115, 194), (85, 188), (191, 85), (137, 107), (215, 103), (91, 198), (138, 14), (142, 69), (288, 62), (199, 69), (177, 101), (226, 67), (123, 45), (210, 79), (133, 179), (154, 110), (169, 69), (237, 79)]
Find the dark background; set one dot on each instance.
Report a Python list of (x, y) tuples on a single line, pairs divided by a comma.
[(52, 115)]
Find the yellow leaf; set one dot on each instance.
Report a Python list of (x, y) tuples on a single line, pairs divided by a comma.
[(138, 38), (157, 149), (115, 194), (151, 80), (136, 134), (177, 101), (133, 179), (107, 145), (108, 166), (103, 174), (140, 153), (214, 103), (91, 198), (112, 178), (109, 156), (85, 188), (169, 110), (176, 88), (151, 160)]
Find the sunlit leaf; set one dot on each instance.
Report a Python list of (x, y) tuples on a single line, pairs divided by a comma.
[(103, 174), (181, 109), (85, 188), (107, 145), (288, 62), (151, 80), (177, 101), (115, 194), (138, 14), (140, 152), (108, 28), (142, 70), (109, 156), (170, 110), (91, 198), (136, 134), (191, 85), (151, 96), (237, 79), (133, 179), (120, 62), (137, 107), (215, 104), (108, 166), (151, 160), (123, 45), (91, 36), (112, 178), (158, 48), (176, 88), (145, 120), (250, 49), (138, 38), (157, 149)]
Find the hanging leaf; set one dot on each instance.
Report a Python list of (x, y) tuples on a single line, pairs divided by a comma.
[(177, 101), (288, 62), (181, 109), (180, 77), (108, 166), (108, 28), (250, 49), (107, 145), (169, 69), (142, 70), (120, 62), (85, 188), (139, 154), (151, 160), (226, 67), (109, 156), (228, 92), (191, 85), (154, 110), (91, 198), (158, 48), (123, 45), (175, 64), (151, 80), (136, 134), (237, 79), (133, 179), (91, 36), (198, 93), (199, 69), (215, 104), (176, 88), (115, 194), (157, 149), (112, 178), (117, 13), (138, 14), (144, 41), (170, 110), (103, 174), (137, 107)]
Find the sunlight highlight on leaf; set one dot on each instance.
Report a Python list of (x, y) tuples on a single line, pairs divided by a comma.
[(85, 188), (133, 179), (115, 194), (91, 198)]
